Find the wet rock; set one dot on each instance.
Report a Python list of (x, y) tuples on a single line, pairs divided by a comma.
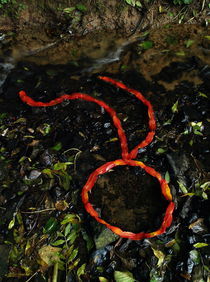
[(5, 68), (186, 208), (111, 267), (179, 163), (105, 238), (101, 256), (46, 158), (34, 174)]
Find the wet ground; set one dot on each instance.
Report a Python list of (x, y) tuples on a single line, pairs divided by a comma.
[(48, 153)]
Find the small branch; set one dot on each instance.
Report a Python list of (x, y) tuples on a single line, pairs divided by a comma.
[(203, 5), (45, 210), (29, 279)]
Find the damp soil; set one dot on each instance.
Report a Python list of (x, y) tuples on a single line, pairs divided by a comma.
[(175, 78)]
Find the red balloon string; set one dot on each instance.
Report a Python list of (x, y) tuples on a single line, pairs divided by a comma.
[(127, 157)]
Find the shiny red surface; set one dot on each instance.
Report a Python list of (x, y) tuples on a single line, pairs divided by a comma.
[(127, 157)]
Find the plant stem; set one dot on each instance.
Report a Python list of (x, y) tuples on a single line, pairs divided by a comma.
[(55, 273)]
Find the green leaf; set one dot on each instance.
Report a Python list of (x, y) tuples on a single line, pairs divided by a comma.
[(146, 45), (205, 186), (3, 115), (58, 242), (57, 147), (205, 266), (138, 4), (189, 42), (70, 218), (73, 255), (188, 194), (72, 237), (196, 132), (160, 150), (46, 128), (202, 94), (170, 14), (50, 226), (65, 181), (103, 279), (180, 53), (167, 177), (120, 276), (69, 10), (174, 108), (81, 8), (207, 37), (67, 230), (123, 68), (48, 171), (182, 187), (74, 264), (60, 166), (205, 196), (200, 245), (15, 254), (129, 2), (81, 270), (11, 224)]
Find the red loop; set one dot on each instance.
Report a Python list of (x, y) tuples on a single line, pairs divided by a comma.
[(164, 189), (127, 157)]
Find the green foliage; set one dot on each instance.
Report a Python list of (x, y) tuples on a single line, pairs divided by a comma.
[(79, 7), (134, 3), (188, 43), (50, 226), (200, 245), (174, 108), (3, 2), (146, 45), (11, 6), (181, 2), (126, 276), (66, 237), (59, 170)]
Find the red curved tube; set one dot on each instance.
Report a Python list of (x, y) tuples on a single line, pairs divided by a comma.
[(123, 140), (127, 157), (151, 115)]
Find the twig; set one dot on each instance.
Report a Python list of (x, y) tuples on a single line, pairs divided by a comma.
[(203, 5), (29, 279), (75, 157), (45, 210), (75, 160)]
